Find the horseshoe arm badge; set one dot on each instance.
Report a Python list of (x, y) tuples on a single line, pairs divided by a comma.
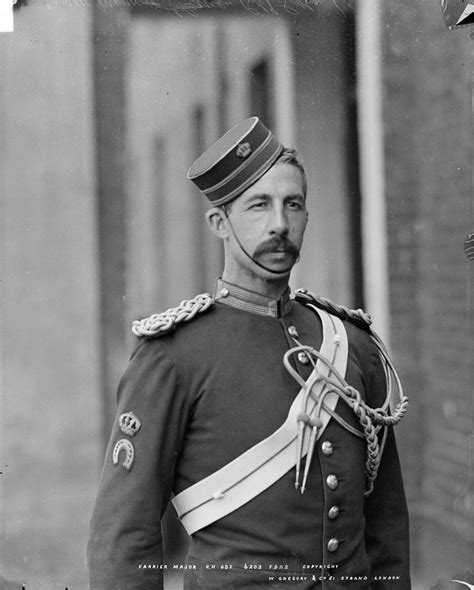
[(125, 445)]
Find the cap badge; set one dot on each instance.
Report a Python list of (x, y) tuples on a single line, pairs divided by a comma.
[(126, 445), (243, 150), (129, 424)]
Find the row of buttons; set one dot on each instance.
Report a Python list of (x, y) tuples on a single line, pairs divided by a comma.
[(327, 449), (302, 356), (332, 482)]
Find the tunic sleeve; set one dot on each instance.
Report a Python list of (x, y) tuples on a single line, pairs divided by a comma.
[(386, 536), (125, 544)]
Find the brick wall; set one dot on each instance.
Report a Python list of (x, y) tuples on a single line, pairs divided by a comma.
[(427, 115)]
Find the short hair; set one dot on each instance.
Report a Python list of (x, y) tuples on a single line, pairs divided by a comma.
[(289, 155)]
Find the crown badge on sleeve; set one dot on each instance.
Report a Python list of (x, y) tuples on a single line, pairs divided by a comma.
[(129, 424), (243, 150)]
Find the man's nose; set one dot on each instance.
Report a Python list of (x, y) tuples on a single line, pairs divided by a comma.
[(279, 221)]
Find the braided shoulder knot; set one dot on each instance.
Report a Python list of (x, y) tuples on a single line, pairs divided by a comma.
[(357, 316), (161, 323), (396, 402)]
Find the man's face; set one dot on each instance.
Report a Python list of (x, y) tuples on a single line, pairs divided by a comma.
[(269, 220)]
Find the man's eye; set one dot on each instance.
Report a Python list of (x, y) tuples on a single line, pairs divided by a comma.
[(260, 205), (295, 205)]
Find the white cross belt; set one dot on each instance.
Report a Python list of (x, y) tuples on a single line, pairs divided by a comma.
[(259, 467)]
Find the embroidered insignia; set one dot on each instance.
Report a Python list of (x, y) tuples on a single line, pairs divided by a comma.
[(129, 424), (243, 150), (126, 445)]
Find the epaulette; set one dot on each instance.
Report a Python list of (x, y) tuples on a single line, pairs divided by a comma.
[(162, 323), (356, 316)]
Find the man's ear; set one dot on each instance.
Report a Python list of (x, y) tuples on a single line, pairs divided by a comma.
[(217, 222)]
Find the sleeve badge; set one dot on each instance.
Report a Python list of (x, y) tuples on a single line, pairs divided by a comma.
[(129, 424), (125, 445)]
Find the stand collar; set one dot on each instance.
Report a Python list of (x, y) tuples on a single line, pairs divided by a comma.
[(252, 302)]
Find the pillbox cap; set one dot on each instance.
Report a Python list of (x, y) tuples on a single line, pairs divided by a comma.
[(235, 161)]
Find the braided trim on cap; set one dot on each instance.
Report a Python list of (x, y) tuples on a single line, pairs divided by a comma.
[(162, 323), (357, 316)]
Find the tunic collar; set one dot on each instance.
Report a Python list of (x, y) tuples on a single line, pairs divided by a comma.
[(252, 302)]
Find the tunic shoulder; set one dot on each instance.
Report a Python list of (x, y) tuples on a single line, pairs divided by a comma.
[(162, 323), (369, 349), (356, 316)]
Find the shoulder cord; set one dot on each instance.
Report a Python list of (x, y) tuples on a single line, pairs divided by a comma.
[(167, 320), (371, 419), (357, 316)]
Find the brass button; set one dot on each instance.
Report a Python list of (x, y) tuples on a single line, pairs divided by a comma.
[(333, 545), (293, 332), (333, 512), (327, 448), (303, 358), (224, 292), (332, 482)]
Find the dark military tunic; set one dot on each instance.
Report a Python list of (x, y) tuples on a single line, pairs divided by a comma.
[(205, 393)]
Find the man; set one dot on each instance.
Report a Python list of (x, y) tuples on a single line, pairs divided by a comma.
[(257, 412)]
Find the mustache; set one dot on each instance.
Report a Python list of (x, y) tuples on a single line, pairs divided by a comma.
[(277, 244)]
